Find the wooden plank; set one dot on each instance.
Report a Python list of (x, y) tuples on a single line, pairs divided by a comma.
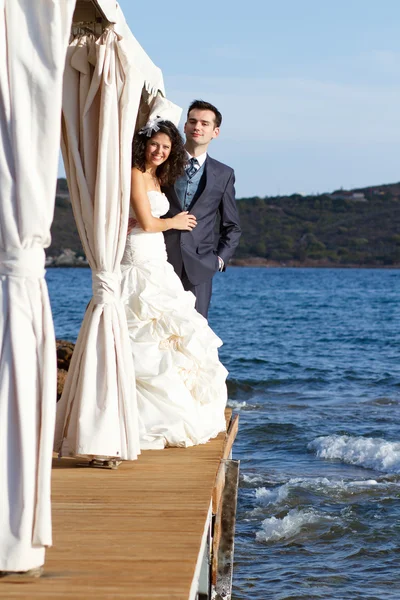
[(218, 488), (220, 480), (131, 533), (218, 493), (222, 565), (215, 546), (228, 418), (231, 436)]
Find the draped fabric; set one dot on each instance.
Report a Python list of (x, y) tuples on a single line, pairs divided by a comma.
[(97, 413), (33, 42)]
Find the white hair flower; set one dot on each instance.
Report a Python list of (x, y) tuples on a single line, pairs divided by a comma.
[(151, 125)]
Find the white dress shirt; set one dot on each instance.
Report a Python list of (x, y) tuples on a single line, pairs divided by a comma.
[(200, 159)]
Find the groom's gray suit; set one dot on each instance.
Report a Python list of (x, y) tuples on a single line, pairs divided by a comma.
[(194, 254)]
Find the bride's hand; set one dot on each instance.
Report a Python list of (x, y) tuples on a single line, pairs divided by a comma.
[(184, 221)]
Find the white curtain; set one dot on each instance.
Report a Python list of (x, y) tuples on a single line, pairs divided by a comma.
[(33, 43), (97, 413)]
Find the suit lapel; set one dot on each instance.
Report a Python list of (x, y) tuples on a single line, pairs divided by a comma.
[(209, 173)]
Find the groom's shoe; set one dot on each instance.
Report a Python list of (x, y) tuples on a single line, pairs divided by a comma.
[(21, 576)]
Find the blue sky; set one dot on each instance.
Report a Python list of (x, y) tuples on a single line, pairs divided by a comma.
[(309, 89)]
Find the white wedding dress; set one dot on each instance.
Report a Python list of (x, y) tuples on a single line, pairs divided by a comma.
[(181, 389)]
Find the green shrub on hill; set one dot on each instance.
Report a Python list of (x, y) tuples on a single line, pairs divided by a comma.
[(333, 228), (360, 229)]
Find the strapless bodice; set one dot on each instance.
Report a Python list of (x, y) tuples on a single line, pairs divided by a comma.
[(141, 246), (159, 204)]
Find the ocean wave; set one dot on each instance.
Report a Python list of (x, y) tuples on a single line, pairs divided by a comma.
[(251, 479), (274, 529), (334, 489), (369, 453), (254, 480), (255, 360), (236, 386), (277, 495), (236, 405), (273, 430), (384, 401), (250, 385)]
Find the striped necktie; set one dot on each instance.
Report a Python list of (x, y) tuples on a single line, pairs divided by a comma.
[(192, 167)]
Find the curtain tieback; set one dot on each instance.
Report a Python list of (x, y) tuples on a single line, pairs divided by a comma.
[(20, 262), (106, 287)]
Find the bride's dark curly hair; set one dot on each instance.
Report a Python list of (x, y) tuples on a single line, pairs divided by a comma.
[(174, 166)]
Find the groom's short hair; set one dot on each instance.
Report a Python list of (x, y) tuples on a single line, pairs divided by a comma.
[(202, 105)]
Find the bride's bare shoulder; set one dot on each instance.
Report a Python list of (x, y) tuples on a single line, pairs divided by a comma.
[(137, 177), (137, 172)]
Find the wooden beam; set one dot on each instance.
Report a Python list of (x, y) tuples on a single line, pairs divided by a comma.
[(231, 436), (218, 488), (222, 565)]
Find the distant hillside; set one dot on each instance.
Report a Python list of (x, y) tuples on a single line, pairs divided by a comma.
[(359, 226), (63, 230), (346, 227)]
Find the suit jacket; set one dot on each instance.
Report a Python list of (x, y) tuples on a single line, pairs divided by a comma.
[(197, 250)]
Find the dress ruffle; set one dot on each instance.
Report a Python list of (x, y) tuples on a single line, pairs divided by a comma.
[(180, 381)]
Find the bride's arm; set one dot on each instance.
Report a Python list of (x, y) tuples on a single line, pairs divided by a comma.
[(141, 206)]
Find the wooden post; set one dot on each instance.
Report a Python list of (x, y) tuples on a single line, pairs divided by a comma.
[(224, 534)]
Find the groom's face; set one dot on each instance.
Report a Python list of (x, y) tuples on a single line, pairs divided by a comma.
[(200, 127)]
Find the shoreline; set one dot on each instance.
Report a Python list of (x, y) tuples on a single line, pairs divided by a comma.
[(255, 261), (307, 264)]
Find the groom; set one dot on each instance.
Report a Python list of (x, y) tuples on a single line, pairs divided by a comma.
[(206, 190)]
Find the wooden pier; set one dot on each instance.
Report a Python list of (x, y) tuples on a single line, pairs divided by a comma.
[(158, 528)]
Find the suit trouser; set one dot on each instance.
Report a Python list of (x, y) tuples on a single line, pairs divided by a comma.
[(202, 293)]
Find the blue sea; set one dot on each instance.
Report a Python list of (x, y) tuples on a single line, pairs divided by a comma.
[(314, 362)]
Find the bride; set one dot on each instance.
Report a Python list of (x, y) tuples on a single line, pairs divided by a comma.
[(180, 381)]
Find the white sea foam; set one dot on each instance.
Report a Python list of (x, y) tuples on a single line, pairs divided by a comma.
[(274, 529), (279, 494), (370, 453), (366, 483), (251, 479), (272, 496), (236, 405), (287, 493)]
